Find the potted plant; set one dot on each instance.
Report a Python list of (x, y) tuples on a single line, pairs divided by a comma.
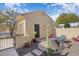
[(34, 39)]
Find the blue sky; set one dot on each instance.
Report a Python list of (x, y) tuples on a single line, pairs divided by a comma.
[(52, 9)]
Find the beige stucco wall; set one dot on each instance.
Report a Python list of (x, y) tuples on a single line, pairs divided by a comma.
[(21, 40), (38, 18), (31, 19), (28, 29), (20, 27), (69, 32)]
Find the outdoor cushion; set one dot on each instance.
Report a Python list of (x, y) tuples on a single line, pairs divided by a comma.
[(62, 38)]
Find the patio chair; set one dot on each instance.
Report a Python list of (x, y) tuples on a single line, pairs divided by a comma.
[(63, 39), (60, 43), (56, 45)]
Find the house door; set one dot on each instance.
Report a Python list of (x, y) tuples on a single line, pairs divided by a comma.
[(37, 34)]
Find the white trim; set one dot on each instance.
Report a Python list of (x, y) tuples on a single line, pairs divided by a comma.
[(21, 22), (24, 27)]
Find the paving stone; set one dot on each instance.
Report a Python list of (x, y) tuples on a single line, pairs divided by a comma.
[(29, 54), (37, 52), (8, 52), (41, 48)]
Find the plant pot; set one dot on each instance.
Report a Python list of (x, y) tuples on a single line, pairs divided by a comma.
[(34, 40)]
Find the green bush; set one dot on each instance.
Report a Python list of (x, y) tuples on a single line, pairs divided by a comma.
[(67, 25)]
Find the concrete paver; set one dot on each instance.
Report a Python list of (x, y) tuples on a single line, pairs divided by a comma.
[(8, 52), (29, 54), (37, 52), (74, 50)]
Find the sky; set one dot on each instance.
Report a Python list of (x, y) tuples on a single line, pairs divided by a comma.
[(52, 9)]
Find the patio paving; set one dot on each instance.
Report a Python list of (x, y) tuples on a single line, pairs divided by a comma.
[(37, 52), (29, 54), (9, 52), (37, 49), (34, 50), (74, 50)]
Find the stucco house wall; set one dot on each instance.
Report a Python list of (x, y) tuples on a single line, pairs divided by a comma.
[(21, 40), (26, 26), (39, 18)]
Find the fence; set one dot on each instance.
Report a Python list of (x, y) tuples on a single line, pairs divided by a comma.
[(6, 43), (69, 32)]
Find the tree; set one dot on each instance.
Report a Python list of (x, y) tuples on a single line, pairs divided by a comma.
[(11, 20), (66, 18), (2, 17), (67, 25), (8, 17)]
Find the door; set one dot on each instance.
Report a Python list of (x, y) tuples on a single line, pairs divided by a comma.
[(37, 34)]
